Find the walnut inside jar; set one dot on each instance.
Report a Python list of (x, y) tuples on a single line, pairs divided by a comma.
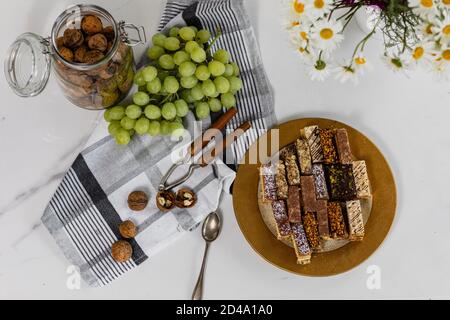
[(109, 33), (93, 56), (91, 24), (66, 53), (79, 53), (73, 38), (165, 200), (98, 42), (185, 198)]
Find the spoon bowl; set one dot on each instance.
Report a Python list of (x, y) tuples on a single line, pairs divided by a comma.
[(211, 227)]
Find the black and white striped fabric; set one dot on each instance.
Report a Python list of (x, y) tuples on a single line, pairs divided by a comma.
[(84, 214)]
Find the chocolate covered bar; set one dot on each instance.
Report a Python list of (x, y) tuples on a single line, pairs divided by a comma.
[(281, 219), (319, 181), (280, 180), (336, 221), (361, 179), (308, 193), (355, 220), (293, 204), (327, 144), (301, 246), (269, 192), (311, 230), (341, 183), (312, 136), (343, 146), (322, 220), (304, 156), (293, 174)]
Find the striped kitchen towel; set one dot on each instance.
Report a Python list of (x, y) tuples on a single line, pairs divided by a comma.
[(86, 209)]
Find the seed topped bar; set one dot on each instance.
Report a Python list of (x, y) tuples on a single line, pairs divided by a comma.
[(269, 192), (328, 148), (293, 204), (301, 246), (280, 180), (304, 156), (341, 182), (287, 151), (319, 181), (293, 174), (312, 135), (311, 229), (361, 179), (355, 220), (343, 146), (322, 220), (336, 221), (281, 219)]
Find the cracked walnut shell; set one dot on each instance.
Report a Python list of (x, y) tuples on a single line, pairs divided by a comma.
[(165, 200), (185, 198)]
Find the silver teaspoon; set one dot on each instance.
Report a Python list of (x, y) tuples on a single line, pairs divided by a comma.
[(210, 232)]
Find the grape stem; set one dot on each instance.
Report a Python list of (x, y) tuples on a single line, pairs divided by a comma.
[(218, 34)]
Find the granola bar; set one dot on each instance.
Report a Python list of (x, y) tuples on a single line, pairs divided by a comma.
[(269, 193), (319, 182), (328, 148), (280, 180), (304, 156), (293, 174), (340, 181), (355, 220), (293, 204), (312, 136), (311, 229), (336, 221), (301, 246), (281, 219), (343, 146), (361, 179)]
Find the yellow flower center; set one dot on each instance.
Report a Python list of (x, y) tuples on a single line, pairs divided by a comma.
[(303, 35), (298, 6), (319, 4), (446, 30), (301, 50), (360, 60), (446, 55), (295, 23), (446, 2), (326, 33), (426, 3), (428, 29), (418, 53)]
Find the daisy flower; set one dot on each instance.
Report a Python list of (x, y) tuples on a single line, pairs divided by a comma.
[(326, 34), (317, 8), (294, 13), (441, 70), (360, 63), (444, 4), (395, 63), (423, 52), (305, 54), (425, 30), (424, 8), (299, 35), (442, 30), (347, 73), (319, 69)]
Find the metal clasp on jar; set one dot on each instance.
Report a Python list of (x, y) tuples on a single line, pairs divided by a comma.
[(125, 37), (46, 43)]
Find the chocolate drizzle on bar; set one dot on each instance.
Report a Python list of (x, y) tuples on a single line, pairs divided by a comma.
[(312, 135)]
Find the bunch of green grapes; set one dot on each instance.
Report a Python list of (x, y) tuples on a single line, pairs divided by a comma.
[(183, 73)]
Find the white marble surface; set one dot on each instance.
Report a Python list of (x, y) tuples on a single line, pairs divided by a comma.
[(406, 117)]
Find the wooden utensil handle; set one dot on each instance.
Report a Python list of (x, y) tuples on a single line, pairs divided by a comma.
[(201, 142), (224, 144)]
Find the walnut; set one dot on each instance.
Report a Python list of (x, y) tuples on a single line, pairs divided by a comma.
[(109, 33), (73, 38), (185, 198), (59, 42), (127, 229), (91, 24), (137, 200), (98, 42), (80, 53), (93, 56), (165, 200), (66, 53), (121, 251)]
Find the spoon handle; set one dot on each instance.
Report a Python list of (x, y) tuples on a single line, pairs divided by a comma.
[(198, 290)]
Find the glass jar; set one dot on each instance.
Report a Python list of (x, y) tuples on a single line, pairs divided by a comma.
[(93, 72)]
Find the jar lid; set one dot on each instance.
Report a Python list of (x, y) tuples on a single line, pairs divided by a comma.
[(27, 65)]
